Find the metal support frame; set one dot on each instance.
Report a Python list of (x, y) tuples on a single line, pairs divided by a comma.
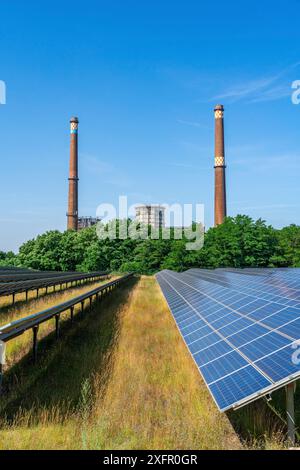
[(35, 330), (1, 377), (17, 328), (10, 289), (290, 411), (72, 314), (2, 361), (57, 325)]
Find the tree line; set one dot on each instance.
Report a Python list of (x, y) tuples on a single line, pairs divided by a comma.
[(238, 242)]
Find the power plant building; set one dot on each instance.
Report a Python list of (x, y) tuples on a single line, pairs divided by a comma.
[(149, 214), (153, 215), (87, 221)]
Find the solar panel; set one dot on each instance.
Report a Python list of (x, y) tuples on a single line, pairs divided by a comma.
[(283, 287), (240, 329)]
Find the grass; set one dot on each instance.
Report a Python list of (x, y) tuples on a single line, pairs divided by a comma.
[(45, 406), (262, 424), (121, 378), (155, 397)]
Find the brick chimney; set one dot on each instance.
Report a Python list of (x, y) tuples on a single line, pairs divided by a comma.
[(72, 213), (220, 183)]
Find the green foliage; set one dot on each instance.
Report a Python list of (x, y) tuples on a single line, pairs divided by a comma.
[(8, 259), (238, 242), (288, 253)]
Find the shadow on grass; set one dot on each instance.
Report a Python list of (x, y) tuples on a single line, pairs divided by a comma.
[(260, 421), (66, 367)]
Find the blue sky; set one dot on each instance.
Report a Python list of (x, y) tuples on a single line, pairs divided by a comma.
[(143, 78)]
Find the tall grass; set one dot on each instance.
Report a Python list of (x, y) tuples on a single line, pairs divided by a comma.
[(45, 406), (121, 379), (155, 397), (22, 345)]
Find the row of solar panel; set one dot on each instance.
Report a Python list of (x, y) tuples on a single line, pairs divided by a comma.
[(252, 286), (273, 284)]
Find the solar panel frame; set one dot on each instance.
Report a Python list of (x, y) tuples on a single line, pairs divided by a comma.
[(266, 384)]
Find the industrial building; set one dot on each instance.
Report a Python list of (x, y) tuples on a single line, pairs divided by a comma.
[(153, 215), (87, 221)]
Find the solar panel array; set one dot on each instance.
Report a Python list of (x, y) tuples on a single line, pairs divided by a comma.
[(241, 328), (11, 288)]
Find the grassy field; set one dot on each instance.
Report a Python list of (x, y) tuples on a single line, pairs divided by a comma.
[(121, 378), (21, 345)]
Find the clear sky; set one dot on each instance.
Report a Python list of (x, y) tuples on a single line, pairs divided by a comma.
[(143, 78)]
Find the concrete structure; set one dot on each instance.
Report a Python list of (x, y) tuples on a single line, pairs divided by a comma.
[(153, 215), (87, 221), (220, 181), (72, 213)]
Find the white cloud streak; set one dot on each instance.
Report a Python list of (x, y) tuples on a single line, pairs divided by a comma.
[(193, 124), (270, 88)]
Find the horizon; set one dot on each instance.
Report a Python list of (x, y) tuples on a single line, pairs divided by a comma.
[(143, 81)]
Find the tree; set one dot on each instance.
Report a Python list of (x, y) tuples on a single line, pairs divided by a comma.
[(238, 242), (43, 252), (288, 253), (177, 258)]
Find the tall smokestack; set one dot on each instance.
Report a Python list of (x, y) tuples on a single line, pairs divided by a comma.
[(72, 213), (220, 183)]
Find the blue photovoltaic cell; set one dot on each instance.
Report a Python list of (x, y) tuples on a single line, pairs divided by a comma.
[(264, 345), (209, 354), (240, 328), (246, 335), (204, 342), (279, 365), (291, 329), (222, 366), (279, 319), (238, 386)]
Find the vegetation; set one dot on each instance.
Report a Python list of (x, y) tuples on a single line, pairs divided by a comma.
[(124, 380), (238, 242), (21, 345)]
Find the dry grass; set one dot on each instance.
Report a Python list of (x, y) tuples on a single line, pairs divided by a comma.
[(22, 345), (137, 388), (155, 397)]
